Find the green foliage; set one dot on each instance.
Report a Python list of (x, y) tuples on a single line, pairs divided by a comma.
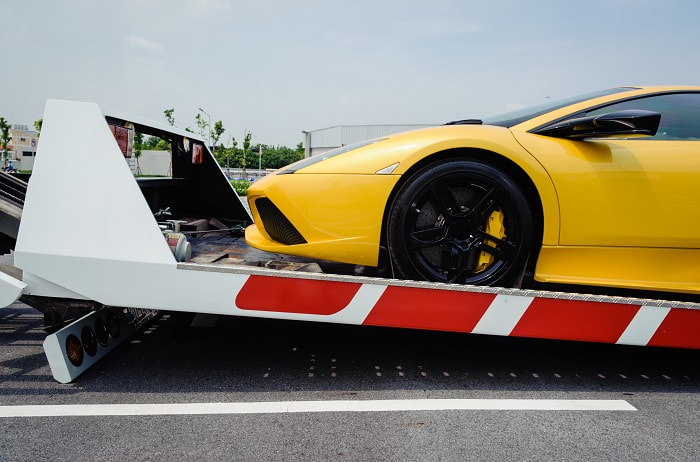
[(272, 157), (280, 156), (153, 143), (217, 131), (162, 146), (4, 136), (220, 155), (150, 142), (246, 149), (138, 144), (246, 141), (169, 116), (241, 186), (38, 124), (202, 126), (238, 159)]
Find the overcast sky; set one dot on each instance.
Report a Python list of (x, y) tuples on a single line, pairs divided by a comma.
[(279, 67)]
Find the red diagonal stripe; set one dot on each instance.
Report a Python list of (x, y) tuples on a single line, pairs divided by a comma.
[(575, 320), (429, 309), (680, 329), (288, 295)]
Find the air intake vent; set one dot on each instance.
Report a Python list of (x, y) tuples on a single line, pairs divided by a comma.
[(276, 224)]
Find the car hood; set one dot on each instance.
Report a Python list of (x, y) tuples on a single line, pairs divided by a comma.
[(406, 148)]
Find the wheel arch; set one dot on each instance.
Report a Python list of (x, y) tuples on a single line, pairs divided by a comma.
[(509, 167)]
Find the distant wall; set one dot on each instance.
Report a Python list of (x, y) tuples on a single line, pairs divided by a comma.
[(323, 140), (152, 163)]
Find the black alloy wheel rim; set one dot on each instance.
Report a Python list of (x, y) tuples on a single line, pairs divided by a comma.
[(446, 225)]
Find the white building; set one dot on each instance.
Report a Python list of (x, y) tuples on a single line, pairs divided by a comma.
[(23, 145), (325, 139)]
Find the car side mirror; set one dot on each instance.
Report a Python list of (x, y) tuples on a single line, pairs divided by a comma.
[(635, 122)]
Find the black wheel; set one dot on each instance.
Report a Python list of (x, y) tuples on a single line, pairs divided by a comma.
[(460, 221)]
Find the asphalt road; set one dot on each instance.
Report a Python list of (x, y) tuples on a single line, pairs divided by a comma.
[(249, 360)]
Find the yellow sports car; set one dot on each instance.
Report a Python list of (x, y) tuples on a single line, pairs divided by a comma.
[(601, 190)]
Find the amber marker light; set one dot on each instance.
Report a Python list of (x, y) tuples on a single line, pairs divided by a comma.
[(74, 350)]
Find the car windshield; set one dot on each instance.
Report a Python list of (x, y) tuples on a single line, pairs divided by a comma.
[(511, 118)]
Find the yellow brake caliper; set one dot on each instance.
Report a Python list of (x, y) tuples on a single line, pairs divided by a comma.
[(494, 227)]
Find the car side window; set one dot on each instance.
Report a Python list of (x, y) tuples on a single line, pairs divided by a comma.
[(680, 114)]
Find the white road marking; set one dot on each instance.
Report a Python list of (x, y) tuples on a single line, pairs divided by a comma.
[(282, 407)]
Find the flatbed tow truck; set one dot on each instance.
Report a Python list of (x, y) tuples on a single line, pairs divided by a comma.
[(101, 252)]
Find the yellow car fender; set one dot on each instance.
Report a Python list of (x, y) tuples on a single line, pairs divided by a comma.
[(412, 147)]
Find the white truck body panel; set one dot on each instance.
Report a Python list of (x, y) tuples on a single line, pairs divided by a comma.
[(10, 289)]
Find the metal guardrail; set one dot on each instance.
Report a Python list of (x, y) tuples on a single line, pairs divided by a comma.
[(12, 189)]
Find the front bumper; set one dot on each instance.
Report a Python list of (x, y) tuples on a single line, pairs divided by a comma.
[(338, 217)]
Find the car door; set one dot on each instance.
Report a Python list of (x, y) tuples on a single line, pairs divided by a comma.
[(634, 192)]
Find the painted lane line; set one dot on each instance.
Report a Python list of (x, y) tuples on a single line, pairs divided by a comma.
[(283, 407)]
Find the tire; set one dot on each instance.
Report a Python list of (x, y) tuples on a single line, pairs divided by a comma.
[(460, 221)]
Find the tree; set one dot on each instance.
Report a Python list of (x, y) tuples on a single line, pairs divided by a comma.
[(4, 137), (169, 116), (270, 157), (280, 156), (246, 146), (226, 157), (231, 152), (162, 145), (37, 125), (153, 143), (217, 131), (138, 145), (202, 126), (238, 159)]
